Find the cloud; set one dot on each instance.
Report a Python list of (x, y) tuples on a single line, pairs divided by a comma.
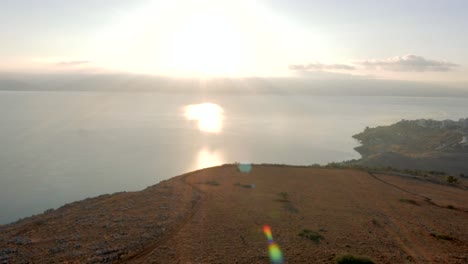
[(321, 67), (408, 63), (405, 63), (73, 63)]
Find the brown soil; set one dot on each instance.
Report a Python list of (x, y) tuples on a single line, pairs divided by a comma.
[(207, 217)]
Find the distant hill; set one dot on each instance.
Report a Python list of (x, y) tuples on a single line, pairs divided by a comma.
[(117, 82), (417, 144)]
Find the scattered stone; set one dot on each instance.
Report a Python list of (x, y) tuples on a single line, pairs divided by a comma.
[(20, 241)]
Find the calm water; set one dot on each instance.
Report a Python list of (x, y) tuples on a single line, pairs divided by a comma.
[(58, 147)]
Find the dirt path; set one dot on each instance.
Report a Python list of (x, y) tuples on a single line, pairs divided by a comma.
[(462, 192), (149, 248)]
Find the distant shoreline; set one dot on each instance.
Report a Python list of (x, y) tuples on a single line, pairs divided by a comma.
[(231, 86), (423, 144)]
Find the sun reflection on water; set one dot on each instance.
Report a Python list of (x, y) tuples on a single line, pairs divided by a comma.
[(208, 115)]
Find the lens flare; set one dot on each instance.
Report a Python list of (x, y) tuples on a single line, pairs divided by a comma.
[(244, 167), (276, 256), (267, 231), (274, 251)]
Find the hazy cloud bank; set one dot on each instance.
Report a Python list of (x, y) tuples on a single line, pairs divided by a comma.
[(320, 67), (409, 62), (73, 63), (406, 63)]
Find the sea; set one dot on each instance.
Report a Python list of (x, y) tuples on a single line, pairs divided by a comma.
[(57, 147)]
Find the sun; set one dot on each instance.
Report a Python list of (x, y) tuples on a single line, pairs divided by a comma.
[(203, 38), (207, 44)]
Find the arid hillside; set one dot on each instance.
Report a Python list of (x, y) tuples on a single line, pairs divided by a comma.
[(216, 215)]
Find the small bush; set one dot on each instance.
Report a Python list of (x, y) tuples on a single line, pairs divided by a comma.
[(348, 258), (451, 207), (212, 183), (434, 172), (315, 165), (284, 196), (248, 186), (375, 222), (413, 202), (311, 235), (441, 236), (451, 179), (291, 208)]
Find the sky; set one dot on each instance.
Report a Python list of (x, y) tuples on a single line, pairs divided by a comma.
[(420, 40)]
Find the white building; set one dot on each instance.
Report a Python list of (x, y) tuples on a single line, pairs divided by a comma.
[(464, 141)]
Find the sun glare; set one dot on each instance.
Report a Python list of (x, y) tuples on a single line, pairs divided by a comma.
[(206, 44), (208, 159), (183, 38), (208, 115), (201, 39)]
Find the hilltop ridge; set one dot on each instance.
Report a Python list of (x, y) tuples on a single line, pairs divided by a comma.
[(216, 215)]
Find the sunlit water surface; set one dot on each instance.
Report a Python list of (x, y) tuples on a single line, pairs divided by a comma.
[(58, 147)]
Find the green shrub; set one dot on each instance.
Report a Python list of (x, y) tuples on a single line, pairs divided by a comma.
[(451, 179), (348, 258), (284, 196), (375, 222), (441, 236), (212, 183), (413, 202), (311, 235), (248, 186), (434, 172), (291, 208)]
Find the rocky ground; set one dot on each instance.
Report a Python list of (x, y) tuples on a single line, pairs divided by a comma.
[(216, 216)]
